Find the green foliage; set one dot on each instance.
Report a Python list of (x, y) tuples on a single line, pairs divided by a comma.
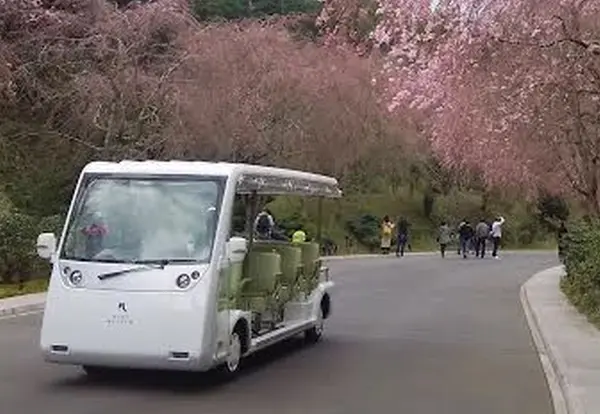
[(37, 170), (551, 211), (32, 286), (356, 218), (18, 234), (582, 262), (51, 224), (239, 9), (365, 228)]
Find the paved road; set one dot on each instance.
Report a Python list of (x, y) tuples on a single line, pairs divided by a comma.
[(413, 335)]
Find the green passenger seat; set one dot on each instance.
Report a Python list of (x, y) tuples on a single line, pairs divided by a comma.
[(311, 261), (261, 292), (291, 264), (232, 287)]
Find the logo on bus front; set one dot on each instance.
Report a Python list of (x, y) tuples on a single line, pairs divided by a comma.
[(120, 318)]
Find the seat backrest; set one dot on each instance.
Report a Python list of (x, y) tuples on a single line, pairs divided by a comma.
[(310, 257), (263, 269), (235, 277), (291, 258)]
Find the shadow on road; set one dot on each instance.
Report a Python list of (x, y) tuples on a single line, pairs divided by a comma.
[(186, 382)]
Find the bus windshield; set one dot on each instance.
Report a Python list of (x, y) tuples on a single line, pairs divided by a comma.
[(143, 220)]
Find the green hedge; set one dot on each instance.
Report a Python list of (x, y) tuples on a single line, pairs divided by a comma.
[(18, 234), (582, 261)]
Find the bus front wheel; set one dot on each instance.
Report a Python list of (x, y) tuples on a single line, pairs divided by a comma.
[(97, 372), (231, 366)]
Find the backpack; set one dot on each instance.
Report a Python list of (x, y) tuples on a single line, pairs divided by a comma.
[(263, 225), (387, 229)]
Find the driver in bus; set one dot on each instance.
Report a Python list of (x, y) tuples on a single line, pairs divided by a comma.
[(95, 233)]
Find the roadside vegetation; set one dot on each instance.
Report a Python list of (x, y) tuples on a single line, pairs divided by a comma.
[(297, 83), (581, 284)]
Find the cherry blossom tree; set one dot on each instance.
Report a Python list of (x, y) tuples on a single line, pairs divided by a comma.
[(145, 79), (510, 89)]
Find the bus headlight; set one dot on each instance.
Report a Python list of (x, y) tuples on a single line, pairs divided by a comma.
[(76, 277), (183, 281)]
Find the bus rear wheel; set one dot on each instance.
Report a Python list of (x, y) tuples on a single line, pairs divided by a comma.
[(315, 333)]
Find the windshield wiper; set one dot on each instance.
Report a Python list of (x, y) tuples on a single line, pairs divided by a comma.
[(156, 264), (145, 265)]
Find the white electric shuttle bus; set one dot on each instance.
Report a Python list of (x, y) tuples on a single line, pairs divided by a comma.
[(149, 274)]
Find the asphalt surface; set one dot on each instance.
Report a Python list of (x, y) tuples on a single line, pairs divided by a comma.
[(412, 335)]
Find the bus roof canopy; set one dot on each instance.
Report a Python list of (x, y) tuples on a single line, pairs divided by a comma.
[(250, 178)]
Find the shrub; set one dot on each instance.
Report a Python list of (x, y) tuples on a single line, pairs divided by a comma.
[(51, 224), (18, 234), (582, 281), (365, 229)]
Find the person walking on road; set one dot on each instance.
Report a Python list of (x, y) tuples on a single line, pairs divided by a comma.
[(387, 228), (402, 236), (482, 233), (460, 225), (443, 238), (562, 241), (496, 234), (465, 234)]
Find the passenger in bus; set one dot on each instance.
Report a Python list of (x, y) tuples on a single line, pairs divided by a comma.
[(299, 236), (264, 225)]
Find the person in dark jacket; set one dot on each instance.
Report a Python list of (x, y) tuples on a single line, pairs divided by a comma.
[(562, 240), (401, 236), (482, 233), (465, 234)]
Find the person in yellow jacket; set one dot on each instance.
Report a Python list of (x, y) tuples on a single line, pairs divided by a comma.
[(299, 236), (387, 228)]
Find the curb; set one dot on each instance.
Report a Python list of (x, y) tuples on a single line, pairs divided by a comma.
[(550, 363), (36, 303), (375, 256), (426, 253)]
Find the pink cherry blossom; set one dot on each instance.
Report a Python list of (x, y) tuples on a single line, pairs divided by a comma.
[(509, 89)]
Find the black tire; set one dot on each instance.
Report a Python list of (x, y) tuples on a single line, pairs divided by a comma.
[(315, 333), (95, 372), (230, 368)]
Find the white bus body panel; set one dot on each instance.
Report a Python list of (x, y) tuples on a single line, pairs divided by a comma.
[(120, 326)]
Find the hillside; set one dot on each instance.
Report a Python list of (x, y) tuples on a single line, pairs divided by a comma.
[(223, 80)]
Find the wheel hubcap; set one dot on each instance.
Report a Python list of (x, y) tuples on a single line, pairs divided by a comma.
[(235, 351)]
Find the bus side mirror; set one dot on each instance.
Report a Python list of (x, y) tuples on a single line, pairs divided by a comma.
[(46, 245)]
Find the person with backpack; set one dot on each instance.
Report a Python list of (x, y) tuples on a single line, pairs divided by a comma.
[(387, 228), (482, 233), (264, 225)]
